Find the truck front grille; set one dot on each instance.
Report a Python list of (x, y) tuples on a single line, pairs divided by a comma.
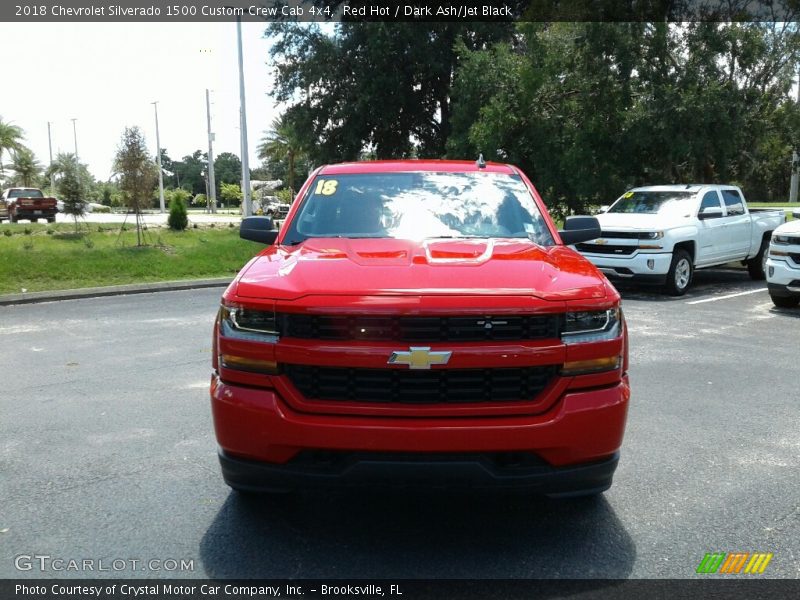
[(607, 249), (419, 329), (436, 386)]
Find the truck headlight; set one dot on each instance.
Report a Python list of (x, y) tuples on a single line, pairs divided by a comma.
[(591, 326), (651, 235), (248, 323), (780, 239)]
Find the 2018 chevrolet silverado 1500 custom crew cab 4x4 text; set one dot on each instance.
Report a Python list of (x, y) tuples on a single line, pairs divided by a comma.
[(783, 264), (420, 322), (661, 234), (27, 203)]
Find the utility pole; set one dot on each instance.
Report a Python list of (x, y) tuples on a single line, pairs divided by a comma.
[(793, 184), (75, 138), (160, 172), (212, 189), (52, 174), (246, 201)]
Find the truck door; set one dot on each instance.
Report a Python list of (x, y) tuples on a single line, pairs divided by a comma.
[(737, 225), (711, 236)]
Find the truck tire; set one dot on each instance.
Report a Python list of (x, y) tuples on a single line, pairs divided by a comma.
[(785, 301), (757, 266), (680, 273), (12, 219), (51, 219)]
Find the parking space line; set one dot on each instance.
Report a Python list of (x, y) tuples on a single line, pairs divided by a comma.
[(726, 296)]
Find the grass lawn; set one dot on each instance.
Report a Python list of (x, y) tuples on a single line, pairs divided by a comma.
[(51, 257)]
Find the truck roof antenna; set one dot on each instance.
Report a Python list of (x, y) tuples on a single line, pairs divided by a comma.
[(480, 163)]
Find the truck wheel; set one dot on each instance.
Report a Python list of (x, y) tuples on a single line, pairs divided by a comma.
[(51, 219), (680, 273), (785, 301), (12, 219), (757, 266)]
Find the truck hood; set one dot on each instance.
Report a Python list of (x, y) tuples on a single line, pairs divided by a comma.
[(338, 266), (789, 228), (641, 222)]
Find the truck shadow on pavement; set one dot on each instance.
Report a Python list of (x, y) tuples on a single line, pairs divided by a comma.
[(427, 535), (706, 283)]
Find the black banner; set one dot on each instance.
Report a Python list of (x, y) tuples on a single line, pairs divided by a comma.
[(747, 587), (397, 10)]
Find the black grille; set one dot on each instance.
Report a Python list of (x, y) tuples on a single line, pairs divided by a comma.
[(419, 329), (439, 386), (623, 235), (607, 249)]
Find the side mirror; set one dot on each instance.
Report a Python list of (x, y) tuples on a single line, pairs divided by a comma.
[(580, 229), (709, 212), (796, 214), (604, 209), (258, 229)]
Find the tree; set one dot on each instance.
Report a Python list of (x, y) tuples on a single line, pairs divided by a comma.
[(26, 168), (282, 144), (231, 194), (10, 140), (227, 169), (375, 86), (70, 187), (138, 173), (189, 172)]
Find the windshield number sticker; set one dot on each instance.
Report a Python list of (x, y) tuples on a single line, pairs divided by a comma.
[(326, 187), (628, 195)]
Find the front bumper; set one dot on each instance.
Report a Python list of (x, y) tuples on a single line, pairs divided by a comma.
[(636, 267), (572, 448), (783, 277)]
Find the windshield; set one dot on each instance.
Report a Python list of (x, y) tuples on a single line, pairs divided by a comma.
[(25, 194), (419, 205), (651, 202)]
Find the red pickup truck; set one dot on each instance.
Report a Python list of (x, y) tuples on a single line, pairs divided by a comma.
[(420, 323), (27, 203)]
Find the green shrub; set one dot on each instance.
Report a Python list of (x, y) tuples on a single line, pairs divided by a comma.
[(7, 232), (27, 231), (178, 219)]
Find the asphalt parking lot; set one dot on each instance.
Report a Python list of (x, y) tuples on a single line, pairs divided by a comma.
[(107, 452)]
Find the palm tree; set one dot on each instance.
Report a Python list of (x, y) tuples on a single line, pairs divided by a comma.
[(26, 167), (10, 140), (282, 143)]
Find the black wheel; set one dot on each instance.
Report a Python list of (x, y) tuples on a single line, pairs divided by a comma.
[(12, 219), (757, 266), (680, 273), (785, 301), (51, 219)]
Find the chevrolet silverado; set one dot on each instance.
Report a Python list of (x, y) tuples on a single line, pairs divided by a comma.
[(661, 234), (420, 323)]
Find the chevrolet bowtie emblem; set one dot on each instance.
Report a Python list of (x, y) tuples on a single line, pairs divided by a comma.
[(600, 241), (419, 358)]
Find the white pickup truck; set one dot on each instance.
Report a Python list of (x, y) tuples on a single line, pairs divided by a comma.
[(783, 265), (661, 234)]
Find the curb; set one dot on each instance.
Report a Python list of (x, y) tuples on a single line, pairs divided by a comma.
[(113, 290)]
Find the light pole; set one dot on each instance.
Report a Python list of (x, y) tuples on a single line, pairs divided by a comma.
[(52, 173), (212, 189), (160, 172), (246, 202), (75, 138)]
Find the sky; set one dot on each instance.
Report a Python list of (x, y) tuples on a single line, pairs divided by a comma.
[(106, 75)]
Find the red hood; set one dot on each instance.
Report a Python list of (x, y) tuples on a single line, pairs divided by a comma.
[(338, 266)]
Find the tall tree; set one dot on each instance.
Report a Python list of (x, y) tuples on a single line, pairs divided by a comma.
[(282, 144), (10, 140), (227, 169), (26, 168), (71, 187), (380, 87), (138, 173)]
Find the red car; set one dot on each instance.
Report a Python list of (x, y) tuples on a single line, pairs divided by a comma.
[(420, 323)]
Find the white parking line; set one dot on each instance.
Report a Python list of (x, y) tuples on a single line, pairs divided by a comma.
[(726, 296)]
